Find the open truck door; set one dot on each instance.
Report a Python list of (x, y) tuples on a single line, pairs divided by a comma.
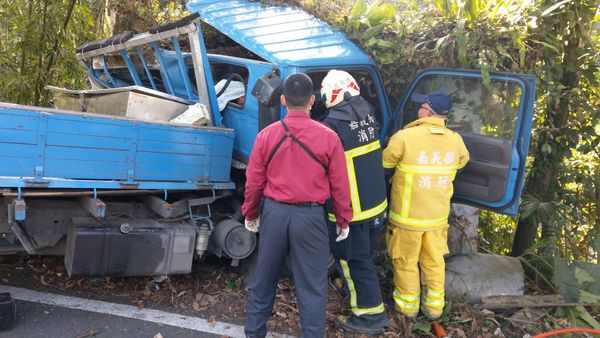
[(494, 120)]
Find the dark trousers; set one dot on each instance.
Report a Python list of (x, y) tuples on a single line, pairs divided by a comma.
[(301, 233), (355, 265)]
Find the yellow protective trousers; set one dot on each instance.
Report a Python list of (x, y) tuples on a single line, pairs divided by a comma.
[(418, 261)]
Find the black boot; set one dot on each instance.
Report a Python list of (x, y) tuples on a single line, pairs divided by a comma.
[(368, 324)]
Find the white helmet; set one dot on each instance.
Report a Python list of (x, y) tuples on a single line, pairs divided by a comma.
[(335, 85)]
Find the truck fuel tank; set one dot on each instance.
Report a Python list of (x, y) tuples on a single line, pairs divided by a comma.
[(129, 247)]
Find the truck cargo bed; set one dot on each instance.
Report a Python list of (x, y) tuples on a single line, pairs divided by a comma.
[(43, 147)]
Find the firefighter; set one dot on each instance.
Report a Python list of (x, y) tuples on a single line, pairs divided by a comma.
[(353, 119), (426, 156)]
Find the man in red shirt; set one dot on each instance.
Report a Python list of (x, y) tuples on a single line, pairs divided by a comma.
[(295, 166)]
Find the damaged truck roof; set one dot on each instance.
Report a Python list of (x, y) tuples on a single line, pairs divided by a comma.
[(278, 34)]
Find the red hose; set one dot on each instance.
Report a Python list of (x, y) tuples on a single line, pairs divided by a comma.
[(569, 330), (438, 330)]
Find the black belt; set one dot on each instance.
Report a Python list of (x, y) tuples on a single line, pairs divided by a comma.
[(299, 204), (306, 204)]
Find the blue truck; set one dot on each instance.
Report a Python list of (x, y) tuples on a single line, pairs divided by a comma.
[(126, 196)]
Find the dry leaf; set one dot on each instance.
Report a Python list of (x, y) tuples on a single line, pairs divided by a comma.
[(199, 296), (88, 334), (196, 306), (212, 321)]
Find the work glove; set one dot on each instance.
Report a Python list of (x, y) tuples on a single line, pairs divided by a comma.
[(342, 233), (252, 225)]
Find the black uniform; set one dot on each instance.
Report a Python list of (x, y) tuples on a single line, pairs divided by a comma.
[(354, 122)]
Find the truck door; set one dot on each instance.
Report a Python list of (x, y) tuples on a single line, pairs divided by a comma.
[(240, 114), (494, 120)]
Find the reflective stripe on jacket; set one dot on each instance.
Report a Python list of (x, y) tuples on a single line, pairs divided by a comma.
[(354, 122), (426, 156)]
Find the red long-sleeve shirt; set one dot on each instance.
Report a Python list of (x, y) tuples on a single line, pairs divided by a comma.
[(293, 176)]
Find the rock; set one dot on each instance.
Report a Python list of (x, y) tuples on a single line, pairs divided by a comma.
[(471, 277), (462, 233)]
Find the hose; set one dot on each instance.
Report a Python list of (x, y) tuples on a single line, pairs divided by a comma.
[(438, 329), (568, 330)]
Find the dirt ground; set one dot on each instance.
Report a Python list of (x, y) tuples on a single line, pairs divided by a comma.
[(214, 291)]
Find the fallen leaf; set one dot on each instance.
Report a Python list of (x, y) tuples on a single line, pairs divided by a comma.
[(199, 296), (212, 321), (91, 333), (196, 306)]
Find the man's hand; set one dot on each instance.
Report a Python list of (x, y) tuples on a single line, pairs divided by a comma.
[(252, 225), (342, 233)]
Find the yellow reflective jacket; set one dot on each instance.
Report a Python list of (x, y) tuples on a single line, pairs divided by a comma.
[(426, 156)]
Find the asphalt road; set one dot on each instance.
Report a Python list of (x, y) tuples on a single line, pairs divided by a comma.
[(41, 320)]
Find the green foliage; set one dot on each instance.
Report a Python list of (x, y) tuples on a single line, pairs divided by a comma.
[(139, 15), (572, 281), (39, 39), (38, 47), (422, 326), (496, 232)]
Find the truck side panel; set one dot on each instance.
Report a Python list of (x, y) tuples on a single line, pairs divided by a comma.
[(57, 145)]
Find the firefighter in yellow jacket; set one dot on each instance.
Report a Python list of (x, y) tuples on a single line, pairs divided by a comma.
[(426, 156)]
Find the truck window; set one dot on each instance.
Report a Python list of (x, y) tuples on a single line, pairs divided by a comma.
[(221, 73), (367, 90), (490, 110)]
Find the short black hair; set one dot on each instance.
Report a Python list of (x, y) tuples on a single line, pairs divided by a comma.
[(297, 90)]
